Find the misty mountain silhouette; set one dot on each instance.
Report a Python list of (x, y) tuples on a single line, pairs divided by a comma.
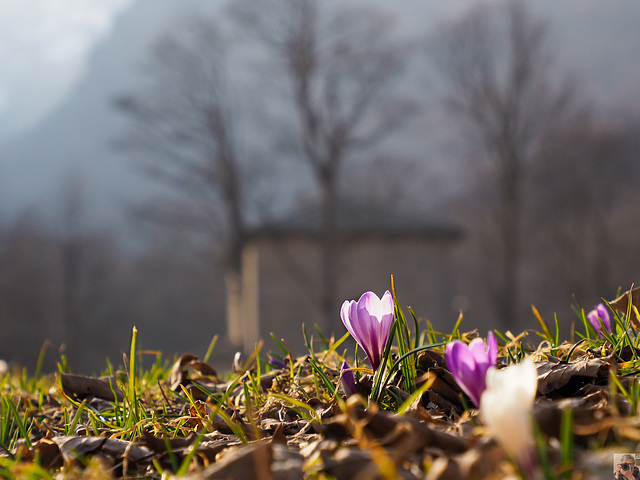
[(77, 137)]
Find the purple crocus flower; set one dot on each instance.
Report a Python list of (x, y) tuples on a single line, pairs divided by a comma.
[(347, 380), (469, 364), (600, 313), (369, 322), (277, 363)]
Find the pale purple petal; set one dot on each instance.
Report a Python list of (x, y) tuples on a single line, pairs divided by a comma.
[(386, 303), (478, 349), (464, 370), (492, 348), (456, 354), (277, 363), (358, 323), (603, 313), (347, 380), (600, 312), (592, 316), (349, 313), (385, 329), (468, 364), (369, 322), (387, 312), (370, 302), (344, 315), (373, 348)]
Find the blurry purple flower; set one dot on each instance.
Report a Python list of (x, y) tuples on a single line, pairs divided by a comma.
[(597, 314), (347, 380), (469, 364), (277, 363), (369, 322)]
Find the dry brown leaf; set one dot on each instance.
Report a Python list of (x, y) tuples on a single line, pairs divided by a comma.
[(47, 451), (444, 468), (401, 435), (270, 425), (623, 426), (444, 393), (73, 447), (352, 463), (553, 377), (287, 464), (251, 461), (188, 369), (163, 444), (621, 304), (81, 387)]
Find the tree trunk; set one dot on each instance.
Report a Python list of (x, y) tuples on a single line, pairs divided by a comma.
[(329, 248), (234, 308), (510, 240)]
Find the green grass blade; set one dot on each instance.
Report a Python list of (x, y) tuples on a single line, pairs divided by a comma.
[(377, 377), (212, 345), (416, 327), (395, 366), (543, 325), (312, 414), (415, 395), (404, 343), (566, 442), (77, 417), (455, 332), (283, 349), (325, 380), (332, 348)]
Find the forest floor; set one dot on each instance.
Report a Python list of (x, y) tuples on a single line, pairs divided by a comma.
[(277, 417)]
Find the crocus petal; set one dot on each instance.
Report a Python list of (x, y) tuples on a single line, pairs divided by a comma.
[(600, 313), (492, 348), (370, 302), (463, 368), (386, 315), (347, 380), (478, 349), (347, 314), (351, 320), (369, 322), (385, 322), (603, 313), (386, 302), (277, 363), (469, 364), (506, 405)]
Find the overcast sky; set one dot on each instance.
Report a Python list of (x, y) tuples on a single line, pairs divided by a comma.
[(43, 45)]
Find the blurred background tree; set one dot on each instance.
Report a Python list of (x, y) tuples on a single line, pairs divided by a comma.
[(185, 131), (341, 69), (502, 88)]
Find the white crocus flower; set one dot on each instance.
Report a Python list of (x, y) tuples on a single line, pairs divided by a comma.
[(506, 406)]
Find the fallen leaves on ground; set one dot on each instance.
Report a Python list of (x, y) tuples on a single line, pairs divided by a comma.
[(285, 424)]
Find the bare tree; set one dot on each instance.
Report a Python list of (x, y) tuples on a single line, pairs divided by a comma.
[(28, 294), (184, 126), (341, 68), (71, 238), (502, 89), (584, 173)]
